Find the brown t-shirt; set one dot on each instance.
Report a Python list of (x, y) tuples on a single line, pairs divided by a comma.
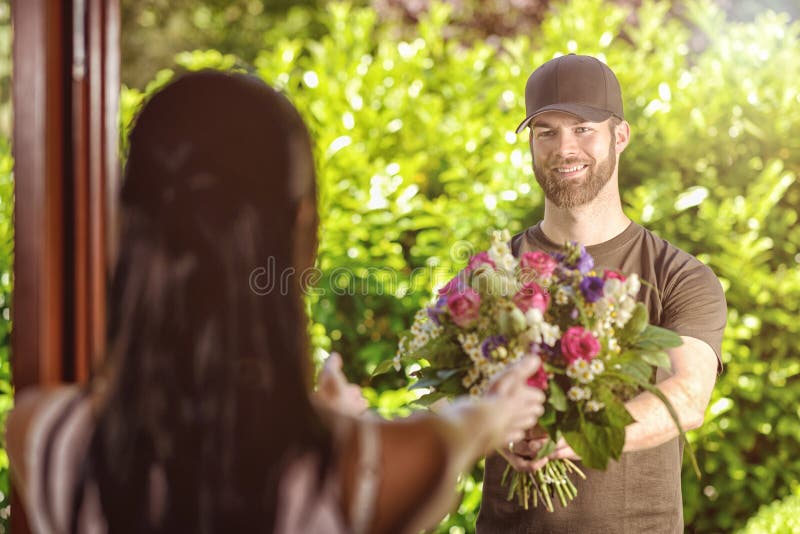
[(640, 493)]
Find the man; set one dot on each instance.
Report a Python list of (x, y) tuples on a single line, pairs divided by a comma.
[(577, 132)]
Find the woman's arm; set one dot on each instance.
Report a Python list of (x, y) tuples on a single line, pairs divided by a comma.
[(422, 456)]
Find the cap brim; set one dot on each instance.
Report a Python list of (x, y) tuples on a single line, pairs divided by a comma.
[(585, 113)]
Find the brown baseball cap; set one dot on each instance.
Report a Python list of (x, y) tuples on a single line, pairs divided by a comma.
[(579, 85)]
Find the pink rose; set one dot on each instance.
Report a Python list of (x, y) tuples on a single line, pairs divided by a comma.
[(532, 296), (464, 307), (578, 344), (456, 284), (541, 263), (609, 275), (479, 260), (538, 379)]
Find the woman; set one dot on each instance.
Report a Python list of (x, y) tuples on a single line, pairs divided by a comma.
[(201, 421)]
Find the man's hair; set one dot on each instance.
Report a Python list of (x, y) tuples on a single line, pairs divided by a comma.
[(613, 123)]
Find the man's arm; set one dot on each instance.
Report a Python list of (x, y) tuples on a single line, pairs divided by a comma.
[(688, 388), (694, 371)]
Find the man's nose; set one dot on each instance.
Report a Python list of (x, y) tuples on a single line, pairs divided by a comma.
[(567, 144)]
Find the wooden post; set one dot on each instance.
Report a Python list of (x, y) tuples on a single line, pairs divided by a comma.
[(66, 94)]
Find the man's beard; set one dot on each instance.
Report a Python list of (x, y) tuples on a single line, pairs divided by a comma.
[(568, 193)]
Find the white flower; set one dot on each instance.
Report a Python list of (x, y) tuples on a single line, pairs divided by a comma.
[(613, 288), (597, 366), (534, 317), (594, 406), (550, 334), (581, 371), (584, 377), (633, 284), (575, 393), (562, 297)]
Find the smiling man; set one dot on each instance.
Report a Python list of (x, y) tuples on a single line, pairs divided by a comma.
[(577, 133)]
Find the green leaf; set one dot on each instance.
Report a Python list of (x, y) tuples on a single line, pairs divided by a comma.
[(556, 397), (657, 338), (635, 325), (383, 368), (656, 358), (430, 398), (640, 370), (615, 412)]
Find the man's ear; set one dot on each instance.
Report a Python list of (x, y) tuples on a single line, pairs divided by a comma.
[(622, 135)]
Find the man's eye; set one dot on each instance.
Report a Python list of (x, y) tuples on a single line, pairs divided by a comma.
[(582, 129), (545, 133)]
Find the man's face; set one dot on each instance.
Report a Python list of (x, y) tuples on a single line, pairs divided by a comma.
[(572, 159)]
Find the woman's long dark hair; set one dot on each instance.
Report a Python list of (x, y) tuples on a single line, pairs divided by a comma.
[(207, 377)]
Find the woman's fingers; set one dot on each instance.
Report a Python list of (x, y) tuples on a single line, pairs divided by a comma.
[(516, 375)]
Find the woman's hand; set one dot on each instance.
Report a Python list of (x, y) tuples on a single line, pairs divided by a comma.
[(515, 406), (335, 393)]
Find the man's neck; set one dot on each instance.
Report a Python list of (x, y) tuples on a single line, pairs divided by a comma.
[(596, 222)]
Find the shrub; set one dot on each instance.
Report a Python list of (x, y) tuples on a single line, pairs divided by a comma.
[(780, 517), (417, 158)]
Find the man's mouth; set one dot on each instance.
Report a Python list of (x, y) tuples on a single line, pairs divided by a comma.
[(571, 169)]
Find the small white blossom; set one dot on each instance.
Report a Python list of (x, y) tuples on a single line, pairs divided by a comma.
[(633, 284), (562, 297), (575, 393), (585, 377), (594, 406), (613, 289), (597, 366)]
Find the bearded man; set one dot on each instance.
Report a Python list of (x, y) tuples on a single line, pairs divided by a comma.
[(577, 133)]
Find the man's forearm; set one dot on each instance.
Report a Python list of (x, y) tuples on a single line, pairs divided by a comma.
[(654, 425)]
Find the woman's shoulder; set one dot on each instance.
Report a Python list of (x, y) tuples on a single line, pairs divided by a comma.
[(53, 441)]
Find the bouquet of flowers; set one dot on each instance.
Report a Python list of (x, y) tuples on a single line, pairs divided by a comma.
[(593, 337)]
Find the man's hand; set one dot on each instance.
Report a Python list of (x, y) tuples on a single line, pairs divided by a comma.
[(522, 455), (335, 393)]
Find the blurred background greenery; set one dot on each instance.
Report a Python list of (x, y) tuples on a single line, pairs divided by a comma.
[(412, 106)]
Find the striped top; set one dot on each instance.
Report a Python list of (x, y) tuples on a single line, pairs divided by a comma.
[(59, 441)]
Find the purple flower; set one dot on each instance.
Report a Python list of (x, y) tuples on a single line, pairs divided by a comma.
[(585, 262), (437, 310), (453, 286), (491, 343), (592, 288)]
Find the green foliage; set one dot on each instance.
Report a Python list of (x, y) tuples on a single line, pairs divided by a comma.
[(417, 159), (780, 517), (6, 263)]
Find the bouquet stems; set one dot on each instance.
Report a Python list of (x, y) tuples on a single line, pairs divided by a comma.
[(543, 485)]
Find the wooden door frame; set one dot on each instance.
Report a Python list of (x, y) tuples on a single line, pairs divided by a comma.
[(66, 61)]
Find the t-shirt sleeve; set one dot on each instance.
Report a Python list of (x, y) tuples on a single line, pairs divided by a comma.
[(55, 447), (694, 305)]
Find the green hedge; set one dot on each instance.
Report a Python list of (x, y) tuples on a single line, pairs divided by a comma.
[(779, 517), (417, 159), (6, 262)]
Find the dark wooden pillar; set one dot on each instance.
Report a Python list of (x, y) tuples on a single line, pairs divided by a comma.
[(65, 93)]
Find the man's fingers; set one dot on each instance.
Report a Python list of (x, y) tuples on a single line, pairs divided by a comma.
[(518, 463)]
